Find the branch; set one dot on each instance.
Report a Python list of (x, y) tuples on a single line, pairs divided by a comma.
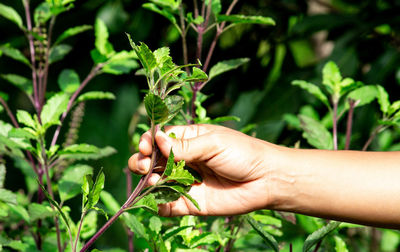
[(9, 113), (372, 136)]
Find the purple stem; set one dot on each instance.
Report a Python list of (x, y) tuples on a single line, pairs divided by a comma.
[(9, 113), (88, 78), (128, 191), (373, 135)]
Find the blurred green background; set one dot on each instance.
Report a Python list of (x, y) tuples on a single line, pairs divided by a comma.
[(362, 37)]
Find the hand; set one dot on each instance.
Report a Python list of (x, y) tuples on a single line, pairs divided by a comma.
[(233, 167)]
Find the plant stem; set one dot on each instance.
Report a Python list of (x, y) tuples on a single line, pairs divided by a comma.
[(334, 118), (88, 78), (128, 191), (183, 35), (79, 230), (9, 113), (352, 104), (372, 136)]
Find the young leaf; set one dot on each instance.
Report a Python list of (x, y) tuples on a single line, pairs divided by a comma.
[(110, 202), (174, 104), (363, 95), (94, 194), (148, 202), (312, 89), (183, 192), (174, 231), (53, 109), (155, 224), (135, 225), (156, 108), (206, 238), (180, 175), (383, 99), (19, 81), (24, 133), (315, 133), (42, 14), (318, 235), (9, 13), (58, 52), (170, 164), (14, 54), (95, 95), (72, 32), (25, 118), (215, 6), (85, 152), (118, 67), (39, 211), (242, 19), (71, 182), (331, 77), (8, 196), (145, 55), (269, 239), (101, 34), (68, 81), (89, 225), (225, 66), (197, 75)]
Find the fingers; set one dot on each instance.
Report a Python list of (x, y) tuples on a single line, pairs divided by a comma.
[(139, 164)]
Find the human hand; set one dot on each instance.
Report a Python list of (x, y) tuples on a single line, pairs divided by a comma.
[(234, 168)]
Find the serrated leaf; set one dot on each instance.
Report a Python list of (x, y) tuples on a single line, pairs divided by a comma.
[(8, 196), (155, 224), (9, 13), (269, 239), (19, 81), (174, 104), (170, 164), (197, 76), (162, 12), (68, 81), (85, 152), (72, 32), (242, 19), (315, 133), (180, 174), (118, 67), (101, 41), (25, 118), (71, 182), (206, 238), (89, 225), (14, 54), (318, 235), (58, 52), (135, 226), (145, 55), (174, 231), (148, 202), (312, 89), (165, 194), (331, 77), (53, 109), (183, 191), (156, 108), (94, 194), (362, 95), (383, 99), (39, 211), (95, 95), (25, 133), (225, 66)]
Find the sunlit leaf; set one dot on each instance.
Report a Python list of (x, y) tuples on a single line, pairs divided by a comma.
[(89, 225), (144, 54), (363, 95), (180, 174), (101, 41), (53, 109), (72, 32), (68, 81), (162, 12), (71, 182), (156, 108), (95, 95), (331, 77), (242, 19), (225, 66), (25, 118), (118, 67), (8, 196), (148, 202), (320, 234), (340, 245), (383, 99), (14, 54), (9, 13), (315, 133), (269, 239), (174, 104), (312, 89), (94, 194), (39, 211), (135, 225), (85, 152)]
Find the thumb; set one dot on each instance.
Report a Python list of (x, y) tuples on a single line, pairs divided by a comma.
[(194, 149)]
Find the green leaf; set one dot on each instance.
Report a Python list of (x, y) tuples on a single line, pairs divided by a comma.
[(312, 89), (19, 81), (89, 225), (362, 95), (331, 77), (242, 19), (145, 55), (156, 108), (225, 66), (269, 239), (97, 57), (155, 224), (215, 6), (14, 54), (383, 99), (42, 14), (318, 235), (165, 194), (118, 67), (170, 164), (72, 32), (148, 202), (110, 202), (2, 174), (71, 182), (174, 231), (315, 133), (58, 52), (94, 194), (390, 240), (39, 211), (95, 95), (101, 41), (8, 196), (25, 133), (174, 104), (197, 75), (53, 109), (180, 174), (68, 81), (163, 12), (9, 13), (135, 225), (183, 192), (206, 238), (340, 245), (25, 118), (85, 152)]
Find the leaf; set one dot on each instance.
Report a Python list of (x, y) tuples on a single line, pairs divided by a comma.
[(183, 192), (206, 238), (383, 99), (242, 19), (331, 77), (95, 95), (39, 211), (180, 174), (71, 182), (362, 95), (148, 202), (14, 54), (25, 133), (94, 194), (2, 175), (312, 89), (170, 164), (162, 12), (118, 67), (156, 108), (72, 32), (174, 231), (174, 104), (340, 245), (8, 196), (53, 109), (165, 194), (101, 34), (9, 13), (110, 202), (19, 81), (155, 224), (269, 239), (68, 81), (318, 235), (225, 66), (85, 152), (215, 6), (42, 14), (58, 52), (135, 226), (315, 133), (197, 75), (25, 118), (145, 55), (89, 225)]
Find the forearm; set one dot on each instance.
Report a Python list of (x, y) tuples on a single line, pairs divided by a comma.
[(359, 187)]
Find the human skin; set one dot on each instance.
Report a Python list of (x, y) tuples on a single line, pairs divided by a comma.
[(242, 174)]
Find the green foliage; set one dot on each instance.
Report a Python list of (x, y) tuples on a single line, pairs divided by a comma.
[(14, 54), (315, 133), (269, 239), (318, 235), (68, 81), (70, 32), (11, 14), (53, 109), (225, 66), (242, 19)]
